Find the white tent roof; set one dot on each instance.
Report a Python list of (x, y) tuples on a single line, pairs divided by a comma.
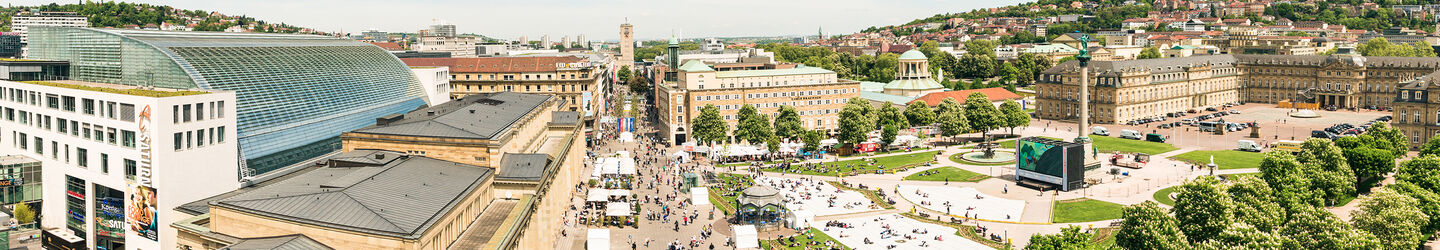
[(619, 209), (829, 142), (597, 239), (627, 137), (626, 166), (609, 165), (597, 195), (801, 219), (700, 196), (746, 237)]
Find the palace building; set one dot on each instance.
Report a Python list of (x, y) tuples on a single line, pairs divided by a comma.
[(1131, 90)]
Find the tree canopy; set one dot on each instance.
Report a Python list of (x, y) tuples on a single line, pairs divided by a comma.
[(708, 127)]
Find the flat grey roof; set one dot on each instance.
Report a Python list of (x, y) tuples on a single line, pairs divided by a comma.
[(526, 167), (287, 242), (401, 198), (477, 116), (16, 159), (565, 118)]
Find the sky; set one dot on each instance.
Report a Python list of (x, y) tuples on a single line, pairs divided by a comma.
[(596, 19)]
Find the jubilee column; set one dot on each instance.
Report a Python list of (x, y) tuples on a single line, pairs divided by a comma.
[(1084, 59)]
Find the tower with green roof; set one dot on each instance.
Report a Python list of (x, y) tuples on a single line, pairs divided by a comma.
[(913, 78)]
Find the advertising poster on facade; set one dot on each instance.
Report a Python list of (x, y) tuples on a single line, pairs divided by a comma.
[(141, 213)]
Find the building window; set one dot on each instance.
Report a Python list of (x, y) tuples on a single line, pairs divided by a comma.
[(130, 169), (185, 114), (220, 132), (200, 111), (82, 157), (201, 135), (179, 141)]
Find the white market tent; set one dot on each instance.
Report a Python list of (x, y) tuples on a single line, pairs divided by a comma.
[(829, 142), (597, 239), (619, 209), (700, 196), (681, 156), (743, 150), (609, 165), (626, 166), (800, 219), (905, 140), (746, 237), (627, 137), (619, 192), (597, 195)]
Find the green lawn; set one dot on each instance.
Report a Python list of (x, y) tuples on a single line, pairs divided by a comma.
[(860, 166), (801, 241), (879, 153), (1226, 159), (720, 193), (948, 174), (1085, 210), (1109, 144), (1163, 196)]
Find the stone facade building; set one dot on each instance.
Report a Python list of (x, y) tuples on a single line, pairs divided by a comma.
[(818, 95), (1131, 90)]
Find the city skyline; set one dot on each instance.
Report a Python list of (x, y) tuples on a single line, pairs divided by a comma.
[(596, 20)]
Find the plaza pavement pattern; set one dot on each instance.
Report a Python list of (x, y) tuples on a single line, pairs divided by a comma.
[(885, 231), (818, 197)]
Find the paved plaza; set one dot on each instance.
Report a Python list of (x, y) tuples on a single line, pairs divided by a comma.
[(964, 202), (896, 232), (818, 197)]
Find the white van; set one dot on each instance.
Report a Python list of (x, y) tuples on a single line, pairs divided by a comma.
[(1248, 145), (1130, 134), (1100, 131)]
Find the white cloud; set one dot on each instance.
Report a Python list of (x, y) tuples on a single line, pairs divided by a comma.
[(597, 19)]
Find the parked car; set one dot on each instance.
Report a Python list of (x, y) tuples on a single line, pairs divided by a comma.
[(1248, 145), (1155, 137)]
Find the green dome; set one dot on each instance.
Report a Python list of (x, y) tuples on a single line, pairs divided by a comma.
[(913, 55), (695, 66), (674, 41)]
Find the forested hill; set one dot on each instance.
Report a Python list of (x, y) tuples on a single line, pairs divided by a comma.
[(123, 15)]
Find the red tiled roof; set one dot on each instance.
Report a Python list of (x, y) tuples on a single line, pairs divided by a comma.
[(995, 95), (495, 64), (388, 46)]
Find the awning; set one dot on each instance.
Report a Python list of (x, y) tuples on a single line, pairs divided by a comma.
[(626, 166), (746, 237), (597, 195), (619, 209), (829, 142), (597, 239), (620, 192)]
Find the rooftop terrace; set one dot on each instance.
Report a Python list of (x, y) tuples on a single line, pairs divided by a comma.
[(117, 88)]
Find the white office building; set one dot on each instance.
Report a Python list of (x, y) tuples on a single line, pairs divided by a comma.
[(22, 22), (436, 83), (119, 159)]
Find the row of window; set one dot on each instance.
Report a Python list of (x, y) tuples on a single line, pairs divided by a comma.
[(81, 156), (548, 87), (775, 94), (571, 76), (126, 138), (99, 108), (196, 112), (198, 138)]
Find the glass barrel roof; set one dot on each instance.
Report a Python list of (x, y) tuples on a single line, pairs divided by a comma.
[(292, 90)]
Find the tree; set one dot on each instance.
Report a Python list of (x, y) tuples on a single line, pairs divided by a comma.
[(1314, 228), (787, 123), (1069, 238), (919, 114), (1148, 226), (1255, 204), (624, 73), (1014, 115), (1203, 208), (952, 118), (753, 127), (855, 122), (976, 66), (1369, 163), (1244, 236), (1423, 172), (887, 134), (772, 143), (708, 127), (1149, 53), (890, 116), (24, 214), (1334, 179), (1393, 218), (1398, 146), (982, 115), (1431, 147), (1429, 203), (811, 138)]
